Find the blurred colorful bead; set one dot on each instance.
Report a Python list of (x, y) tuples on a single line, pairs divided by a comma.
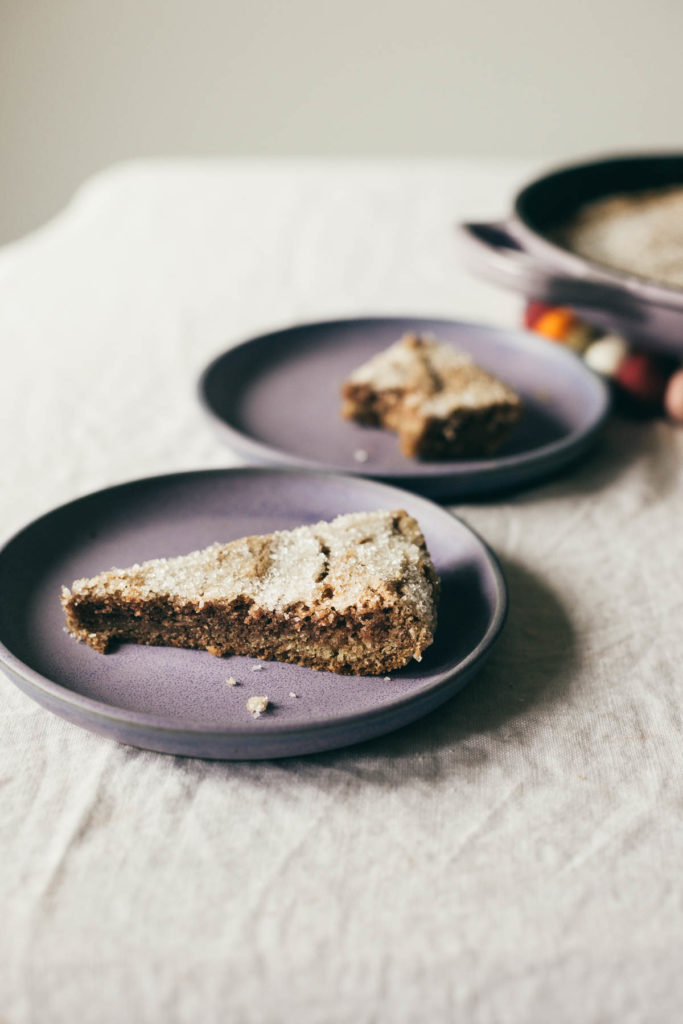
[(673, 396), (606, 355), (643, 378), (556, 323), (534, 311), (578, 337)]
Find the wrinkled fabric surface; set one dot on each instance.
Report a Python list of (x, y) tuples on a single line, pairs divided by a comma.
[(516, 855)]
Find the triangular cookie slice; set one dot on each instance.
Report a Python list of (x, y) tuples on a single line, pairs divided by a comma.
[(356, 595)]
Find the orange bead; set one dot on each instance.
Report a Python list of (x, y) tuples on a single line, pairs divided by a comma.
[(556, 324)]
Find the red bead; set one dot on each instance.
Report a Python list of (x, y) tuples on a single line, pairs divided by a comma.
[(644, 378)]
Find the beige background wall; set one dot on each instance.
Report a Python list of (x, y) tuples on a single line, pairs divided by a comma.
[(84, 83)]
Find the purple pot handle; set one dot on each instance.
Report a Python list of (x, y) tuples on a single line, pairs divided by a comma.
[(492, 251)]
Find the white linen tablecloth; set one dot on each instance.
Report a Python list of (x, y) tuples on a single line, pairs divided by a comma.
[(515, 856)]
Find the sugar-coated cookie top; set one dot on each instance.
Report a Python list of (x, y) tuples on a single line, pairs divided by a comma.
[(436, 377), (359, 559)]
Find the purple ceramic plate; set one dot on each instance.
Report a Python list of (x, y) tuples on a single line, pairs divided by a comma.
[(275, 400), (177, 701)]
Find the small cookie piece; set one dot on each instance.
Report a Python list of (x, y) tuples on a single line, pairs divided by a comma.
[(257, 705), (439, 402)]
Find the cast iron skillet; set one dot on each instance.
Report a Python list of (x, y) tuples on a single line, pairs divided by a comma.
[(518, 253)]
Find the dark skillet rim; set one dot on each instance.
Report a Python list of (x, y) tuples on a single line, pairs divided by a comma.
[(641, 288)]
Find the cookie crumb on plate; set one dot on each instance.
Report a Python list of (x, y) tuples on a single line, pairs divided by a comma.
[(257, 705)]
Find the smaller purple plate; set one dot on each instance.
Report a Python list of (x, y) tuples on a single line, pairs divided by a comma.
[(177, 701), (276, 401)]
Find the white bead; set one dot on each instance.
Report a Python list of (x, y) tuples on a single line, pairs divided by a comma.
[(606, 354)]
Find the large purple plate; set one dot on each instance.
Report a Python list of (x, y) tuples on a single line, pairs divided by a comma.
[(177, 701), (275, 400)]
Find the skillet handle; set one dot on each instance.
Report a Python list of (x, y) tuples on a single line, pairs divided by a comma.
[(493, 252)]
